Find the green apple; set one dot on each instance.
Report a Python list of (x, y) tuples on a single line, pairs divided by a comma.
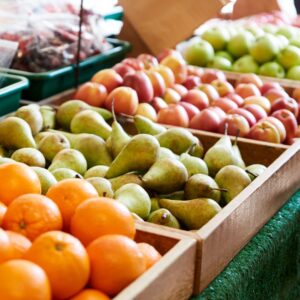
[(265, 48), (239, 44), (225, 55), (296, 41), (218, 37), (283, 42), (245, 64), (269, 28), (288, 31), (199, 53), (255, 30), (289, 57), (221, 63), (293, 73), (272, 69)]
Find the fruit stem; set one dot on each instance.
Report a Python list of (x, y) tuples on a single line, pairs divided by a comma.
[(190, 148), (113, 109), (236, 137), (251, 173), (219, 189), (126, 116)]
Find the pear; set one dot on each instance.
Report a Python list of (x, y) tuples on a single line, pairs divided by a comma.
[(166, 153), (255, 170), (166, 176), (194, 165), (135, 198), (32, 115), (15, 133), (179, 140), (69, 109), (5, 160), (109, 144), (89, 121), (202, 186), (47, 179), (145, 125), (154, 204), (138, 155), (29, 156), (65, 173), (179, 195), (192, 214), (96, 171), (119, 181), (238, 157), (102, 186), (38, 137), (234, 179), (3, 152), (71, 159), (51, 144), (48, 115), (163, 217)]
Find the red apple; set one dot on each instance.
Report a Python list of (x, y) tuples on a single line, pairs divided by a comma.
[(268, 86), (296, 94), (191, 109), (192, 82), (250, 78), (174, 115), (92, 93), (298, 117), (207, 120), (193, 70), (171, 96), (219, 111), (148, 60), (257, 111), (133, 63), (259, 100), (141, 83), (225, 104), (166, 73), (297, 135), (246, 114), (180, 89), (247, 89), (223, 87), (236, 98), (197, 98), (166, 52), (147, 111), (237, 125), (289, 121), (264, 131), (285, 103), (123, 69), (211, 75), (178, 67), (274, 94), (278, 124), (210, 92), (158, 103), (109, 78), (158, 83)]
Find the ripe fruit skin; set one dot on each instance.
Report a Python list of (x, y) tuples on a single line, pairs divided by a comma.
[(178, 66), (166, 73), (105, 215), (264, 131), (3, 209), (19, 243), (174, 115), (90, 294), (237, 125), (17, 179), (151, 255), (116, 261), (158, 83), (257, 111), (6, 249), (92, 93), (109, 78), (207, 119), (289, 121), (64, 260), (197, 98), (23, 280), (247, 89)]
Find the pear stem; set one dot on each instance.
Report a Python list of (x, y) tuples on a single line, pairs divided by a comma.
[(191, 148), (251, 173), (126, 116), (219, 189), (236, 137), (113, 109)]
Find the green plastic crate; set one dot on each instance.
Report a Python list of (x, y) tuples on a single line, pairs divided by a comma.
[(116, 14), (11, 88), (46, 84)]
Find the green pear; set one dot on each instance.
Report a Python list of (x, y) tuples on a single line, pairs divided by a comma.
[(179, 140), (194, 165), (3, 151), (89, 121), (69, 109), (145, 125), (38, 137), (47, 179), (108, 143), (138, 155), (135, 198), (102, 186), (119, 181), (48, 115), (71, 159), (233, 179), (96, 171), (166, 153), (255, 170), (15, 133), (163, 217), (192, 214), (202, 186), (51, 144), (179, 195), (29, 156), (166, 176), (154, 204), (65, 173), (5, 160), (238, 157), (32, 115)]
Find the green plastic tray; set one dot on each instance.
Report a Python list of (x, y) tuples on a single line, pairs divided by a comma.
[(11, 88), (46, 84), (116, 14)]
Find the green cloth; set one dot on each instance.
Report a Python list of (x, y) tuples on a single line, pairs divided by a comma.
[(268, 268)]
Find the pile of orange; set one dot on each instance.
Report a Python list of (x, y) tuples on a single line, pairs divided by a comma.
[(69, 244)]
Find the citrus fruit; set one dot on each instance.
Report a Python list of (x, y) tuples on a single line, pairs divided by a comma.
[(20, 244), (151, 255), (90, 294)]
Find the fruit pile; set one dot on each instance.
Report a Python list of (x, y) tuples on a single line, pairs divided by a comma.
[(174, 93), (266, 50)]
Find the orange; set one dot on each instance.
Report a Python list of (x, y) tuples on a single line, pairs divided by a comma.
[(17, 179), (151, 255), (64, 260), (99, 216), (116, 261), (90, 294), (3, 209), (6, 249), (68, 194), (19, 243), (32, 215), (23, 280)]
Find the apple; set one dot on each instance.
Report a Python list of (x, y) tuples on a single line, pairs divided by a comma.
[(245, 113), (191, 82), (171, 96), (218, 37), (109, 78), (274, 94), (158, 83), (285, 103), (225, 104), (166, 52), (123, 69), (240, 43), (289, 57), (178, 66), (147, 111), (298, 117), (245, 64), (92, 93), (180, 89), (199, 53), (287, 31), (223, 87), (235, 98), (221, 63), (257, 111), (237, 125), (210, 92), (289, 121), (297, 135), (268, 86), (197, 98), (250, 78), (148, 60), (133, 63), (174, 115), (247, 89), (207, 120), (264, 131), (195, 71), (191, 109), (272, 69), (296, 94), (166, 73), (125, 100), (278, 124), (259, 100), (225, 55), (220, 112), (293, 73), (211, 75), (158, 103), (141, 83)]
